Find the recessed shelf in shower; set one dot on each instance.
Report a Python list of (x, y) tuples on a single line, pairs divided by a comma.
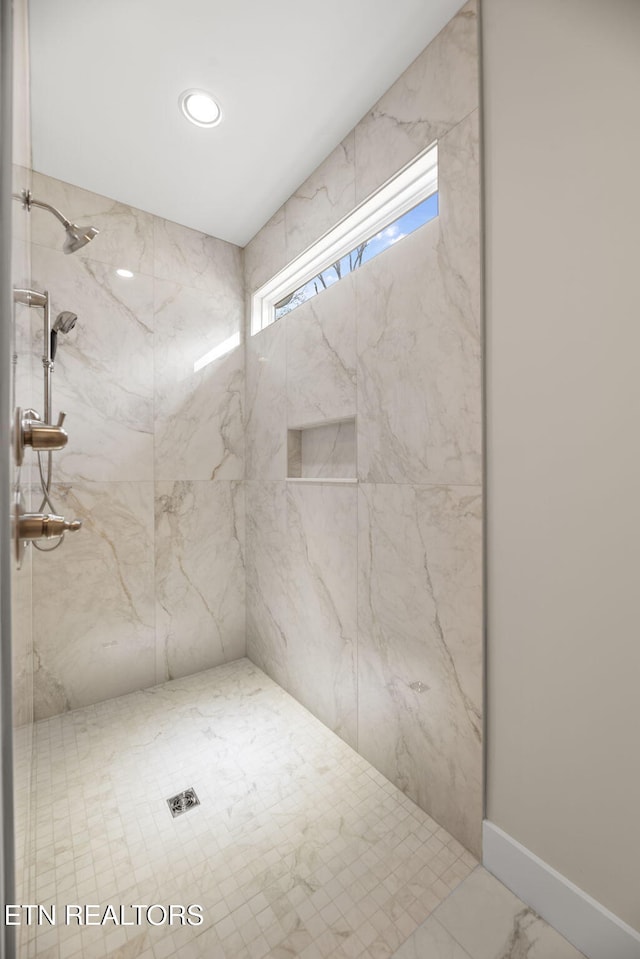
[(323, 452)]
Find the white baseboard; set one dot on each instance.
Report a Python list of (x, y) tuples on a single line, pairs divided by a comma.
[(591, 928)]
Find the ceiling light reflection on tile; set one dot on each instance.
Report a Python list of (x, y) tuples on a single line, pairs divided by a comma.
[(125, 273), (225, 347)]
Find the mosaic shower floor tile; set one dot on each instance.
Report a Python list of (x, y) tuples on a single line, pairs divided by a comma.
[(298, 846)]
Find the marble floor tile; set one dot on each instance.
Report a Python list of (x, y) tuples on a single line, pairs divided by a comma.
[(491, 923), (298, 847), (431, 941)]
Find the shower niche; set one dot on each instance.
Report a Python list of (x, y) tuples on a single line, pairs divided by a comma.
[(322, 452)]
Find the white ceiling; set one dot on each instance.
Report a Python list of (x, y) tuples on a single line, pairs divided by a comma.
[(292, 76)]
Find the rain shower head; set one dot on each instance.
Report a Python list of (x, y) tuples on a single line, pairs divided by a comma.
[(65, 321), (77, 236)]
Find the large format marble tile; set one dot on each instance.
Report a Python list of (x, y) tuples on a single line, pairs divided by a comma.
[(103, 375), (196, 260), (420, 622), (328, 451), (266, 411), (491, 923), (200, 578), (431, 941), (126, 234), (437, 91), (198, 415), (459, 218), (267, 565), (265, 254), (322, 622), (419, 394), (323, 199), (94, 618), (321, 356)]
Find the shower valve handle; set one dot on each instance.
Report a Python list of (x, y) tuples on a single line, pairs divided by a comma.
[(43, 436), (45, 526), (29, 430)]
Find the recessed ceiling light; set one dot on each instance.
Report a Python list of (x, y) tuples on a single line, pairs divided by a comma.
[(200, 107), (126, 273)]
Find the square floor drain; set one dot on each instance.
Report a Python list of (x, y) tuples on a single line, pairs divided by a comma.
[(183, 802)]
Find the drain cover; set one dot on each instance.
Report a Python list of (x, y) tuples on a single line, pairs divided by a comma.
[(183, 802)]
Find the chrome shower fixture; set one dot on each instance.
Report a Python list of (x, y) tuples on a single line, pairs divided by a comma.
[(64, 322), (77, 236)]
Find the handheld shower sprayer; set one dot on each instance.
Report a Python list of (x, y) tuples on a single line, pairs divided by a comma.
[(77, 236), (64, 322)]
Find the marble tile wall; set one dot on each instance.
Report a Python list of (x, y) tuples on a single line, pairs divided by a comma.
[(364, 602), (152, 587)]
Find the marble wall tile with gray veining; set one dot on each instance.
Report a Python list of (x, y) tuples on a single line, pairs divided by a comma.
[(266, 410), (196, 260), (198, 415), (125, 240), (459, 218), (265, 254), (268, 573), (420, 621), (103, 374), (328, 451), (437, 91), (200, 578), (321, 650), (321, 356), (419, 397), (323, 199), (94, 620)]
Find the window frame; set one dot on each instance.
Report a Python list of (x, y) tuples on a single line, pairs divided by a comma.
[(413, 184)]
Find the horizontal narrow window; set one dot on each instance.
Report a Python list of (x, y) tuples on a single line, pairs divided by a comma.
[(403, 204), (364, 252)]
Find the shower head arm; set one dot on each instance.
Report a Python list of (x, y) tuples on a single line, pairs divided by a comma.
[(28, 201)]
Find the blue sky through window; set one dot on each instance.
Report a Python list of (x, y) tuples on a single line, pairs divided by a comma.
[(403, 226)]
